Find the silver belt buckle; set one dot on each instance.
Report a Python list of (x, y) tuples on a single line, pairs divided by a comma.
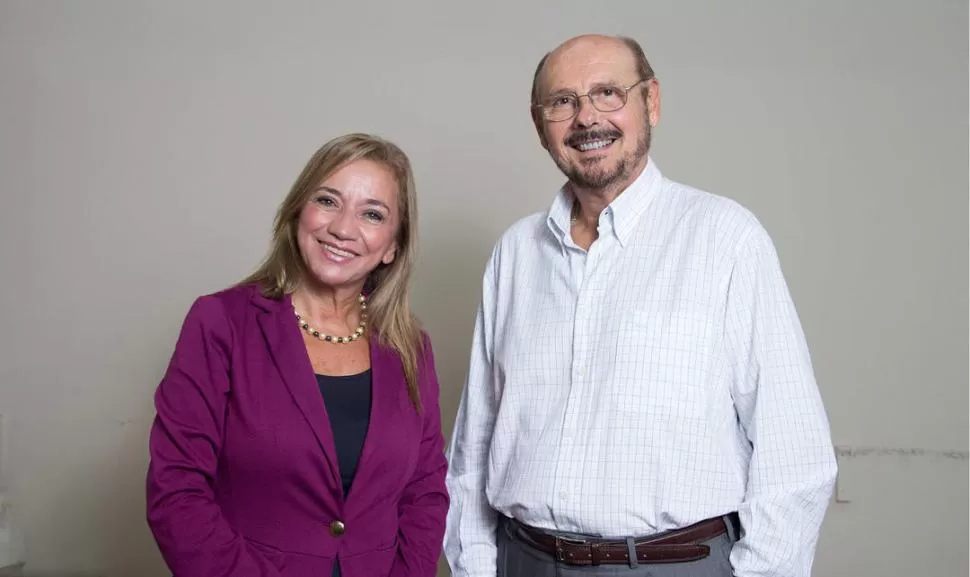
[(560, 556)]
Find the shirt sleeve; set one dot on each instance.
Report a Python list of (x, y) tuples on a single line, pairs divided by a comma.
[(192, 534), (470, 535), (791, 473)]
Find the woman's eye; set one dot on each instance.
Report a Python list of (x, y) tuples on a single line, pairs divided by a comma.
[(374, 216), (325, 201)]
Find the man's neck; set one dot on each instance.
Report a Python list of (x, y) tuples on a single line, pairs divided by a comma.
[(592, 201)]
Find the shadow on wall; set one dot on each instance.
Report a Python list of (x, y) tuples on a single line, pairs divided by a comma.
[(446, 294), (102, 505)]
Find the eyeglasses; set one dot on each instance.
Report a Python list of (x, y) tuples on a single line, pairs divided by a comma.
[(603, 98)]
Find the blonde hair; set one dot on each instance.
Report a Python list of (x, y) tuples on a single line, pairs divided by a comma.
[(388, 302)]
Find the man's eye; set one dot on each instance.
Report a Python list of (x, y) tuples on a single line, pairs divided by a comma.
[(561, 101)]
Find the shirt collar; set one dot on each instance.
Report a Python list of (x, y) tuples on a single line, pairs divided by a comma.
[(624, 211)]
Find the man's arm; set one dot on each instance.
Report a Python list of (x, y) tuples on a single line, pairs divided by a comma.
[(470, 534), (792, 469)]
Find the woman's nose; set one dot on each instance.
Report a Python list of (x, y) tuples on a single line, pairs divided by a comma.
[(343, 225)]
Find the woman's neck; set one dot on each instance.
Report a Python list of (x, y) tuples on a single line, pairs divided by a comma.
[(326, 304)]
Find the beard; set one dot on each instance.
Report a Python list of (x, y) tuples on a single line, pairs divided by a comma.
[(590, 174)]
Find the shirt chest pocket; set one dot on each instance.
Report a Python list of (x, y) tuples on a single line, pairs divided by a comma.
[(664, 363)]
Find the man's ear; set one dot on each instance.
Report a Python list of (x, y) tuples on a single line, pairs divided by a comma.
[(539, 123), (653, 102)]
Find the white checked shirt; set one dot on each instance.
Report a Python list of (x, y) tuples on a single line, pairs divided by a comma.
[(657, 380)]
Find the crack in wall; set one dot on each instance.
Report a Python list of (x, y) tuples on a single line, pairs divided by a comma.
[(843, 452), (846, 452)]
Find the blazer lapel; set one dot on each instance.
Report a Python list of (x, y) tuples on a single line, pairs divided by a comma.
[(278, 323), (387, 380)]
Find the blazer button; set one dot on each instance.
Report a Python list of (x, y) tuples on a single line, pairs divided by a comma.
[(337, 528)]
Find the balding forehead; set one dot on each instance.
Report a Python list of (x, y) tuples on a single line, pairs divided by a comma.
[(587, 55), (592, 42)]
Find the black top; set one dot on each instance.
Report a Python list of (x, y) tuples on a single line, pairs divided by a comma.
[(348, 400)]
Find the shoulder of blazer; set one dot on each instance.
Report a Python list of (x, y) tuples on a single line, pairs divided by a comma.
[(239, 300), (232, 307)]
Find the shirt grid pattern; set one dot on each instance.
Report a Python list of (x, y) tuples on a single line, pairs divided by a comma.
[(659, 379)]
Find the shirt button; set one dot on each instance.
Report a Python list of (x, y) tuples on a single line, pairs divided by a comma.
[(337, 528)]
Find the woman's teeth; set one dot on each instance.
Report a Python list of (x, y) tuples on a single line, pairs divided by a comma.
[(337, 251)]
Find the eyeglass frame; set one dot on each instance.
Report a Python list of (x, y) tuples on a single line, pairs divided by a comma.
[(626, 96)]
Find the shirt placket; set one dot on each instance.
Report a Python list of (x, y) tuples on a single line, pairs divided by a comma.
[(569, 477)]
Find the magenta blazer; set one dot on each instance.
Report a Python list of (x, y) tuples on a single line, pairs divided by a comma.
[(243, 480)]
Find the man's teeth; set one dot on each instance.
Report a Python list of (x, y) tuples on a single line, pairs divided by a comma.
[(594, 145)]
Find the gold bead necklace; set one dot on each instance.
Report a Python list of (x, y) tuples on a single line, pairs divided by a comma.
[(332, 339)]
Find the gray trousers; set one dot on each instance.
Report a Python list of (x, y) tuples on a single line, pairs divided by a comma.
[(517, 558)]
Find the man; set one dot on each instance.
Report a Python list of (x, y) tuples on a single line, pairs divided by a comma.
[(640, 399)]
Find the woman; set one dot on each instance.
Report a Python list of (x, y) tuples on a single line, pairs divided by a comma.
[(297, 429)]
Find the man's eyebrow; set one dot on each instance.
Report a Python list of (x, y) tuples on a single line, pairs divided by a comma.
[(561, 91), (558, 92), (594, 85)]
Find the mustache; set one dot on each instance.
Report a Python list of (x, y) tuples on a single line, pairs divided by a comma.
[(577, 138)]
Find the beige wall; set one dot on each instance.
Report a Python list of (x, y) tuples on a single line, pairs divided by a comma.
[(144, 147)]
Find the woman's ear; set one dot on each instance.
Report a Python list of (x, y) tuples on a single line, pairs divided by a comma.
[(388, 257)]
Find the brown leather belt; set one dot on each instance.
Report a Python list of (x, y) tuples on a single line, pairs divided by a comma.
[(678, 546)]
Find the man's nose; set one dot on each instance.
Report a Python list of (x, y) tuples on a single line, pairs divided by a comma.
[(586, 113)]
